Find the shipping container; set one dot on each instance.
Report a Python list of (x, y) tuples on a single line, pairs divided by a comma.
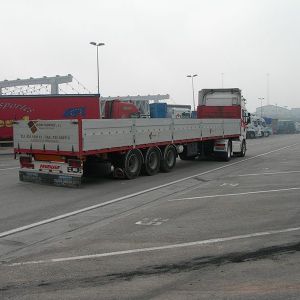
[(158, 110)]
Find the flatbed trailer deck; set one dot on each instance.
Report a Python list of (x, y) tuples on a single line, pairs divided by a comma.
[(86, 137)]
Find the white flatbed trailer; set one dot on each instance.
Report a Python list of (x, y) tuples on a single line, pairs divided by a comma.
[(62, 151)]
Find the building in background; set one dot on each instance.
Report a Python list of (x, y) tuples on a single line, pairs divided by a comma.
[(278, 112)]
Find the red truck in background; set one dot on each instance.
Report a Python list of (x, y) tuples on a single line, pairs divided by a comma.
[(58, 107), (45, 107), (120, 110)]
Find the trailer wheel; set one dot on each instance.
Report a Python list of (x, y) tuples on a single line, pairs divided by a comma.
[(132, 163), (152, 161), (243, 149), (168, 161)]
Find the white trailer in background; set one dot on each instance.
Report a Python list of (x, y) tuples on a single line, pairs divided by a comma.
[(62, 152), (297, 126)]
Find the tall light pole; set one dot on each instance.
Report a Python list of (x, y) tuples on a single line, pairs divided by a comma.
[(97, 46), (222, 79), (192, 77), (261, 101), (268, 88)]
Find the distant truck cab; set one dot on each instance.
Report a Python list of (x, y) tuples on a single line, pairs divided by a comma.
[(225, 104), (117, 109)]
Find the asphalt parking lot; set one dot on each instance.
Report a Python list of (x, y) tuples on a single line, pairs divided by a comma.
[(207, 230)]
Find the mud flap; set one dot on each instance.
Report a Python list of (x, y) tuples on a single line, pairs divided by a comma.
[(51, 179)]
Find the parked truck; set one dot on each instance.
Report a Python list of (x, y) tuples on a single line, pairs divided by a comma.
[(59, 107), (62, 152), (265, 129), (258, 128)]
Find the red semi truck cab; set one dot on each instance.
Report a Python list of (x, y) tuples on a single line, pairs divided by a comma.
[(227, 103), (220, 103), (117, 109), (224, 104)]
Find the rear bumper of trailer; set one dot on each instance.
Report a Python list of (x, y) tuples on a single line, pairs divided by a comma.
[(53, 179)]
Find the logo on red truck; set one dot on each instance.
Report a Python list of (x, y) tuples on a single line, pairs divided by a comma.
[(49, 167)]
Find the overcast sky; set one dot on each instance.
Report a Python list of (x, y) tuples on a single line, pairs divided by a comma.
[(150, 46)]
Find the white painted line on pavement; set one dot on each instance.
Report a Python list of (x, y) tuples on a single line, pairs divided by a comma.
[(79, 211), (140, 250), (242, 175), (267, 173), (12, 168), (151, 222), (236, 194), (227, 184)]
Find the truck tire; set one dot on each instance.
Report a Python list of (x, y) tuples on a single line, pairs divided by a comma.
[(132, 163), (225, 156), (152, 161), (228, 155), (168, 161), (243, 149)]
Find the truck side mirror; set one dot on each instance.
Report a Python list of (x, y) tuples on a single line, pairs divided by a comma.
[(247, 118)]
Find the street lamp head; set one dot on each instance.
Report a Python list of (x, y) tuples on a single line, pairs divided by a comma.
[(188, 75), (97, 44), (195, 75)]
